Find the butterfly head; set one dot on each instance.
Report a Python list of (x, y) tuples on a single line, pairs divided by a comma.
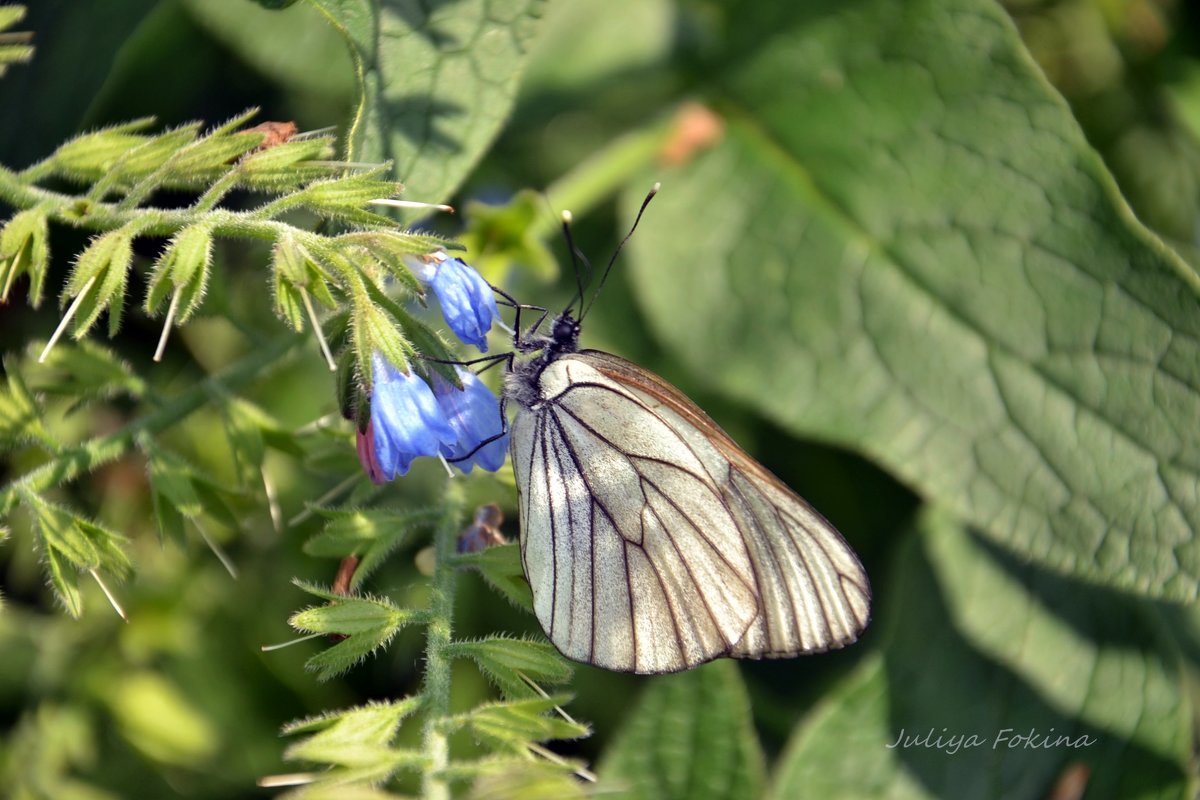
[(564, 334)]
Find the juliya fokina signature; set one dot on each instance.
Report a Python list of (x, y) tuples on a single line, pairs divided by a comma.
[(1005, 738)]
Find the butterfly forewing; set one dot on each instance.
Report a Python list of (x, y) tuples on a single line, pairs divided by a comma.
[(652, 543)]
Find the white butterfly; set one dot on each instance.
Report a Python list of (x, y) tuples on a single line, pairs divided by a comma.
[(651, 541)]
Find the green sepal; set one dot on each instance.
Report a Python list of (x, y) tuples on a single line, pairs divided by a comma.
[(184, 267), (105, 264), (504, 661), (373, 331), (24, 250), (513, 724), (91, 155)]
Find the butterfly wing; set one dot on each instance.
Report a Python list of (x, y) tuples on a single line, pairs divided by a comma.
[(813, 593), (652, 543), (634, 560)]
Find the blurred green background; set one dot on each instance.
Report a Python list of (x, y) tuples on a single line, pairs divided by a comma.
[(180, 701)]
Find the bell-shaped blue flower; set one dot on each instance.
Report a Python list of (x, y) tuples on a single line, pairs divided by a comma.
[(468, 304), (474, 414), (406, 422)]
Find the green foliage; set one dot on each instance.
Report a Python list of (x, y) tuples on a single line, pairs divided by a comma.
[(434, 85), (1009, 638), (366, 623), (14, 46), (369, 534), (71, 544), (517, 666), (358, 741), (692, 736), (995, 328), (501, 568), (882, 228)]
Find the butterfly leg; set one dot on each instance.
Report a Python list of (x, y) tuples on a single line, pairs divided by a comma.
[(530, 340), (503, 432)]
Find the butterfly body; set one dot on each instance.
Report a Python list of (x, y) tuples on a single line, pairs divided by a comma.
[(651, 541)]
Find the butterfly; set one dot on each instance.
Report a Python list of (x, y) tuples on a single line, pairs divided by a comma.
[(651, 541)]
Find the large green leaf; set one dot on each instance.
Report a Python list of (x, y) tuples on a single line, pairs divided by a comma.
[(690, 738), (978, 646), (904, 245), (292, 46), (436, 82)]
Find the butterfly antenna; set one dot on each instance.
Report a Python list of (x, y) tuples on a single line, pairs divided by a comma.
[(577, 259), (608, 268)]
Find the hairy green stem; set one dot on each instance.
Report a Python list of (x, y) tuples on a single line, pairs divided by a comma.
[(434, 783), (83, 213), (69, 464)]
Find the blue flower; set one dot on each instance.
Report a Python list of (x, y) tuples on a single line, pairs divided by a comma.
[(474, 414), (467, 301), (409, 419), (406, 422)]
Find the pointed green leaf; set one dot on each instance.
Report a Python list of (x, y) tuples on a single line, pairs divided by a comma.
[(352, 615), (83, 370), (373, 331), (10, 15), (71, 544), (173, 493), (910, 249), (435, 84), (56, 528), (247, 426), (390, 247), (347, 197), (108, 546), (217, 149), (368, 623), (64, 580), (514, 724), (981, 646), (372, 534), (357, 737), (423, 338), (275, 167), (501, 567), (505, 661), (20, 412), (690, 737)]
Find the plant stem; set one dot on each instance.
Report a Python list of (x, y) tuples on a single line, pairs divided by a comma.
[(83, 213), (69, 464), (434, 785), (603, 174)]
